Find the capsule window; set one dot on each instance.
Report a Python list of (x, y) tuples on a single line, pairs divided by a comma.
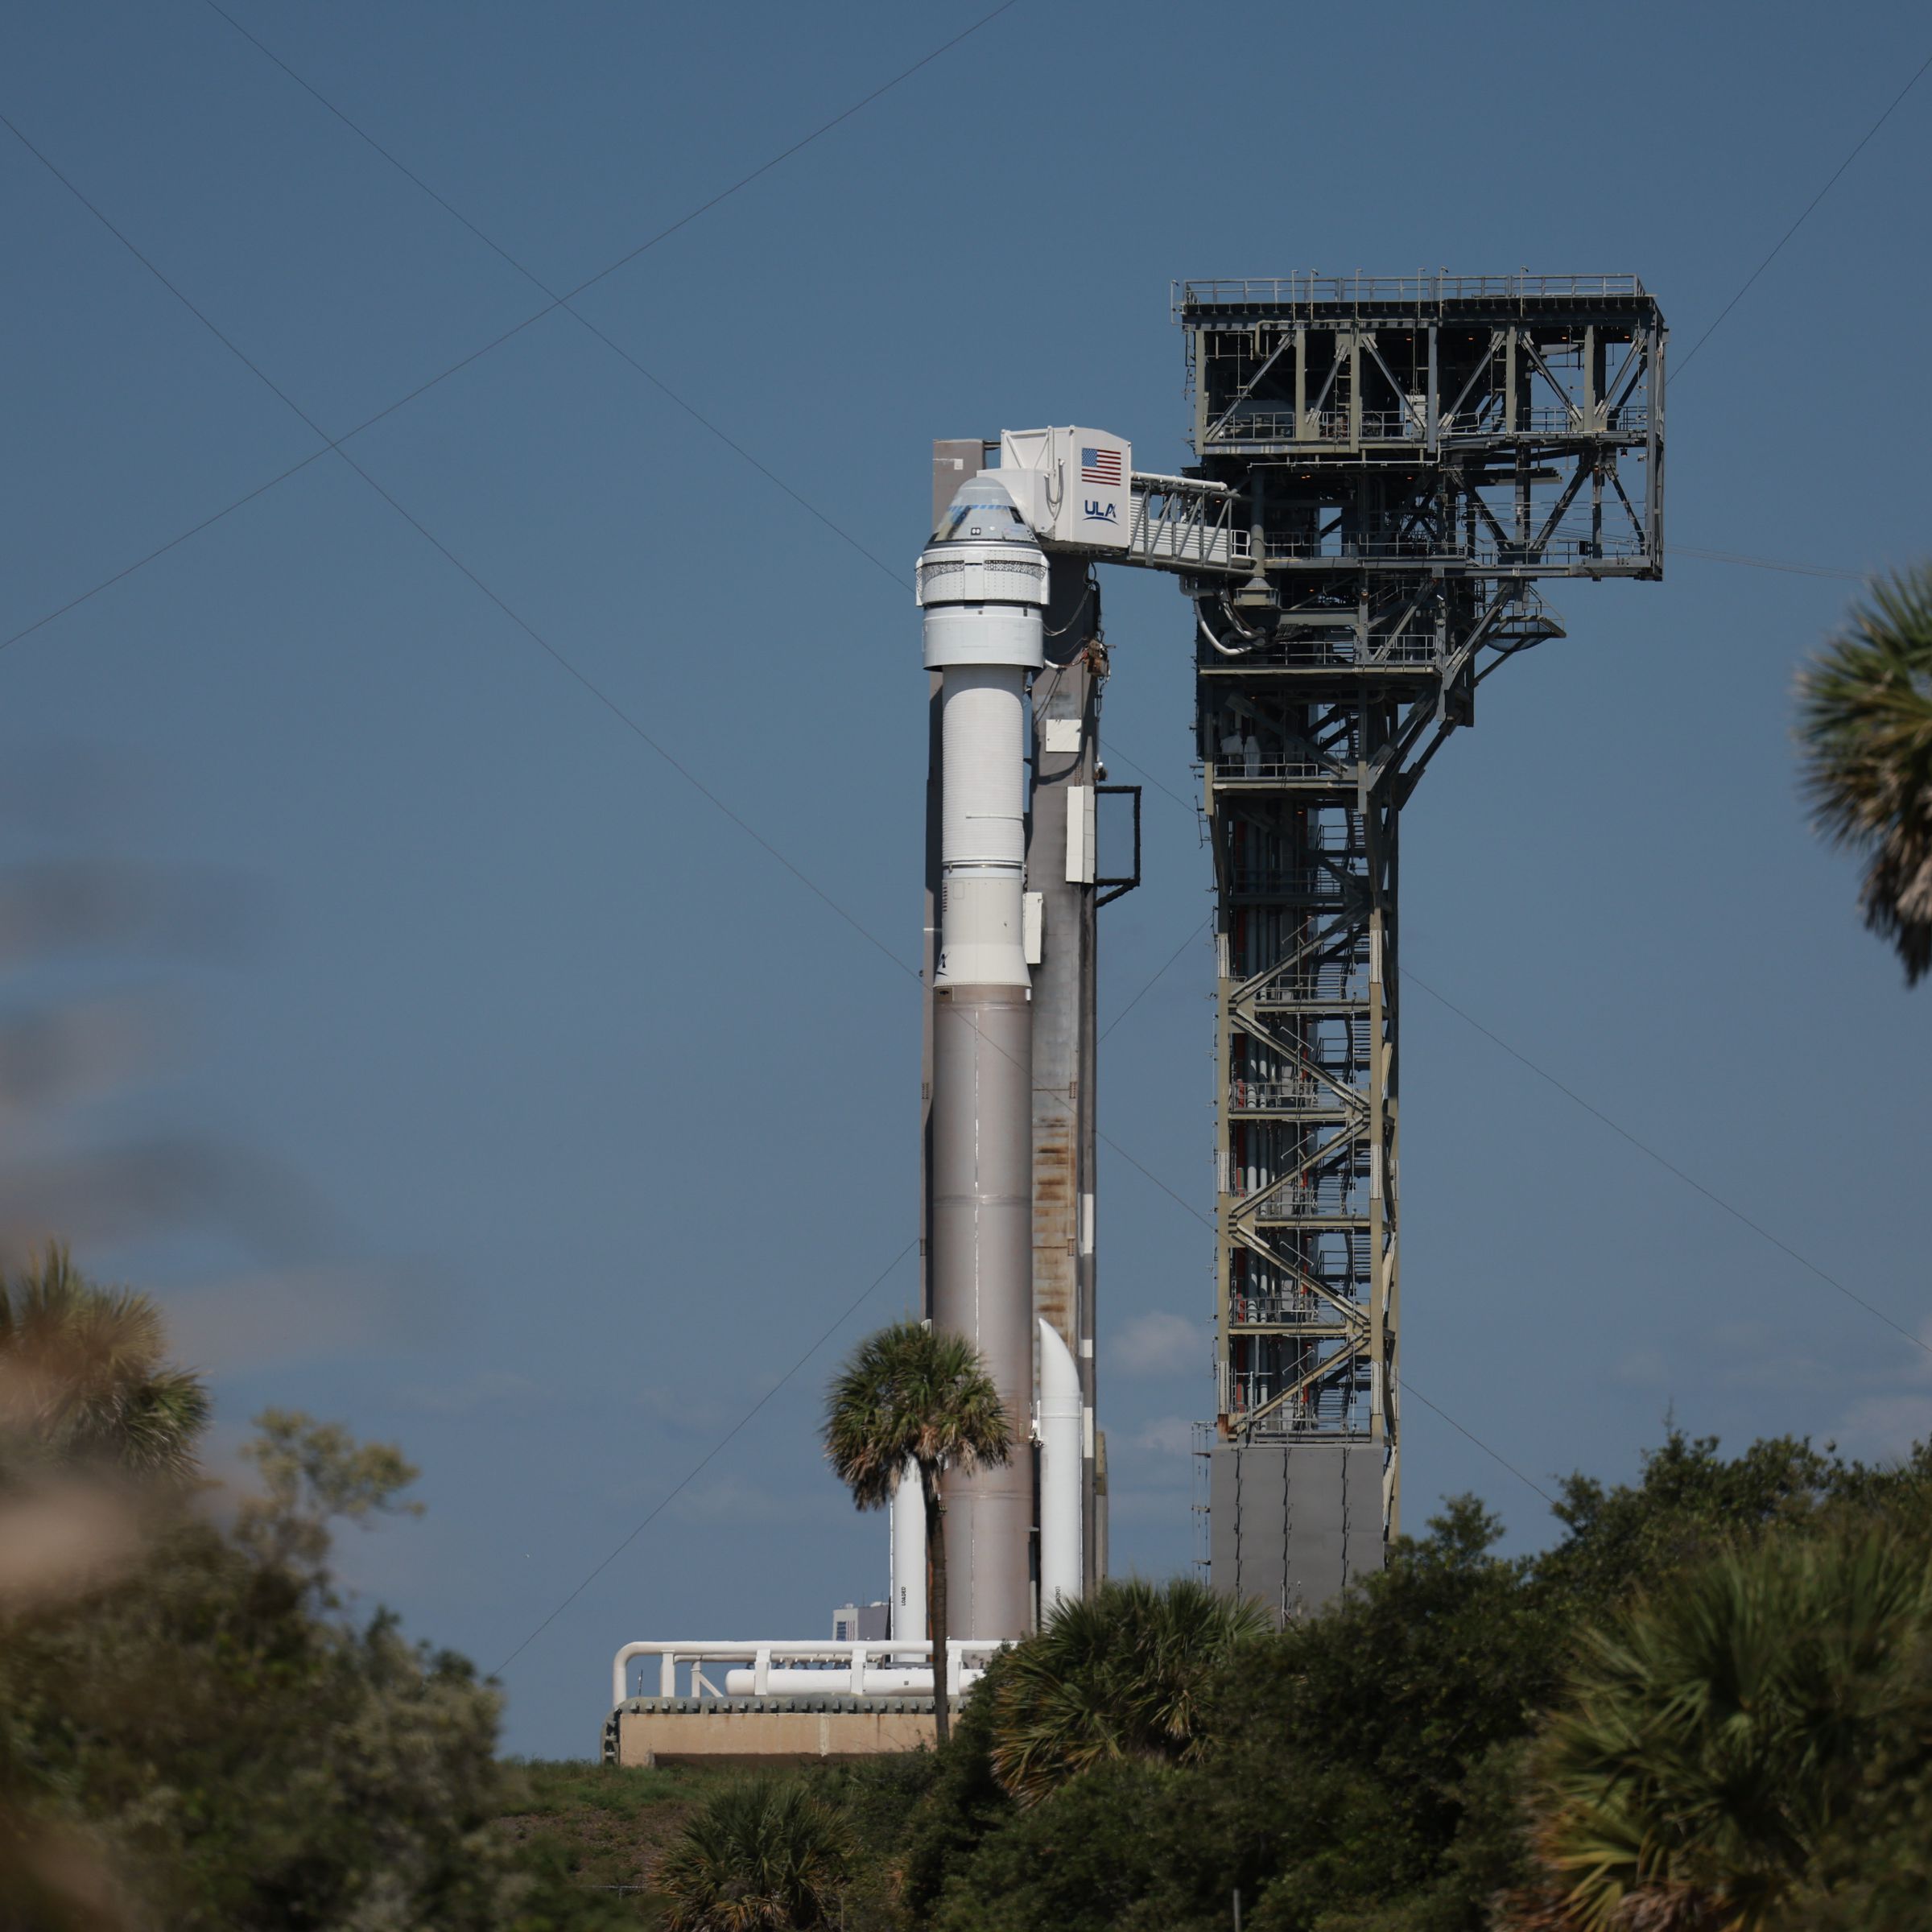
[(988, 522)]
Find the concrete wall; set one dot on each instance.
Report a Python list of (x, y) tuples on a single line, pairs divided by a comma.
[(764, 1731)]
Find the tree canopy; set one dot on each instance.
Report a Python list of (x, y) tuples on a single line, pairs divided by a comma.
[(1865, 738)]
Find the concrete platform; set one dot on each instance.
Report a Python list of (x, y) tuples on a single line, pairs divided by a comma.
[(763, 1731)]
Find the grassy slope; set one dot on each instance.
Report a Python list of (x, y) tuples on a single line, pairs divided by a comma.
[(592, 1826), (595, 1825)]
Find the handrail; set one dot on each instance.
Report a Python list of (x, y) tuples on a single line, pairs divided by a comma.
[(856, 1655), (1358, 289)]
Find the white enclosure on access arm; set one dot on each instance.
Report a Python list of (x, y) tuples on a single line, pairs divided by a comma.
[(1073, 486)]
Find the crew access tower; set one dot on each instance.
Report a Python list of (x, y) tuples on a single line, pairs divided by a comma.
[(1385, 470), (1412, 457)]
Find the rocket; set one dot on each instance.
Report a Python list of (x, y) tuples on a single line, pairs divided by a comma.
[(982, 584)]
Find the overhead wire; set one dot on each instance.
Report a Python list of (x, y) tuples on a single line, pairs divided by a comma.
[(1689, 1180), (523, 623), (1777, 247), (1800, 570), (1410, 977), (475, 355), (595, 690), (1194, 934), (530, 629), (711, 1456), (564, 301), (554, 302)]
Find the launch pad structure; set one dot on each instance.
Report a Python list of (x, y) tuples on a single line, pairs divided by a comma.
[(1386, 471), (1413, 455)]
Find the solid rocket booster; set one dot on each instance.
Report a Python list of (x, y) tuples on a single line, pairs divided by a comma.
[(982, 585)]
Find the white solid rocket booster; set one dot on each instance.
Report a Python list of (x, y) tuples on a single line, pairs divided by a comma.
[(1062, 1435), (908, 1525)]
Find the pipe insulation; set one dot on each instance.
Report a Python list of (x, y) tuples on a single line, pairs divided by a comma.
[(982, 586), (1062, 1439)]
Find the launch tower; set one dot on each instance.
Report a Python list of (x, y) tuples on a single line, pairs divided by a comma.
[(1410, 457)]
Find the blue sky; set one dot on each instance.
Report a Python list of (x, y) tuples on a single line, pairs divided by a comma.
[(451, 1066)]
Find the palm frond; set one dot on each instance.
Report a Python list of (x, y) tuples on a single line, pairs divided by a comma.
[(909, 1394), (763, 1854), (1865, 736), (1117, 1675), (1713, 1735), (84, 1374)]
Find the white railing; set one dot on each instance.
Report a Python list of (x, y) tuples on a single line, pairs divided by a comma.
[(824, 1667), (1272, 289)]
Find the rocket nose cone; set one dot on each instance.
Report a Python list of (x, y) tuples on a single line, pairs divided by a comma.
[(982, 512)]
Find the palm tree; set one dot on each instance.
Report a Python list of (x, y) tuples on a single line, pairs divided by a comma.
[(910, 1394), (1117, 1675), (1713, 1738), (762, 1855), (84, 1377), (1865, 736)]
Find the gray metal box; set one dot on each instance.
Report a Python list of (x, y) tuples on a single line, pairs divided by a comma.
[(1291, 1524)]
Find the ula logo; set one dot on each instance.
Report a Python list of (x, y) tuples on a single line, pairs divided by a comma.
[(1100, 513)]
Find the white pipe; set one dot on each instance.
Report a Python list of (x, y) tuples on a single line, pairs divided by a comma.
[(1152, 481), (877, 1681), (1061, 1431), (908, 1530), (767, 1659)]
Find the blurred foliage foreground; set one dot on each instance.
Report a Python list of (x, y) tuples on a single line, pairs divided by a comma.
[(1707, 1707)]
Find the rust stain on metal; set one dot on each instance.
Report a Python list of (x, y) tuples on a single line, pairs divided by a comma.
[(1055, 1214)]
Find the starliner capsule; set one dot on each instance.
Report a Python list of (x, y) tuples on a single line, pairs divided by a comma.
[(982, 584)]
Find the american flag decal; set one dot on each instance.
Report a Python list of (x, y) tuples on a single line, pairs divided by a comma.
[(1101, 466)]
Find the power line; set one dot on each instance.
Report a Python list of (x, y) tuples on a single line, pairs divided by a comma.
[(1114, 751), (717, 1448), (602, 697), (739, 1425), (543, 643), (496, 342), (1409, 1388), (1148, 988), (437, 542), (565, 301), (1800, 570), (555, 301), (1410, 977), (1744, 288), (1689, 1180)]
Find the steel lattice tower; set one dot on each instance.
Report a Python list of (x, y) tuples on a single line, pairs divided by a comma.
[(1407, 456)]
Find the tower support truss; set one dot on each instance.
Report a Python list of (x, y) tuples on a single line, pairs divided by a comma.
[(1397, 462)]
